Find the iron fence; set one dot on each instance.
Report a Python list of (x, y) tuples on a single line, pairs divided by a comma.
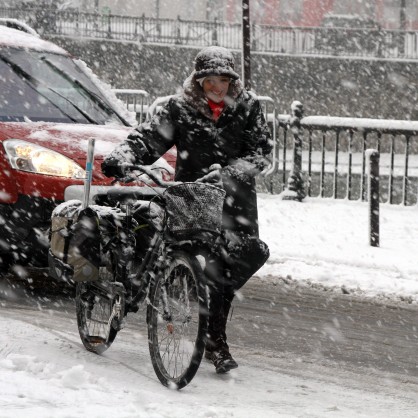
[(332, 160), (135, 100), (265, 38), (325, 156)]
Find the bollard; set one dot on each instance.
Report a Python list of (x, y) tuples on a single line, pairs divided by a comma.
[(89, 172), (295, 185), (374, 197)]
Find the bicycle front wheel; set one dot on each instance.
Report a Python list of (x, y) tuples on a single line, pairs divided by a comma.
[(177, 317)]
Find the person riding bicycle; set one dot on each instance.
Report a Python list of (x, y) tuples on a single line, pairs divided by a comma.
[(221, 135)]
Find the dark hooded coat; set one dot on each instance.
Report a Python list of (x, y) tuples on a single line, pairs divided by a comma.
[(240, 133)]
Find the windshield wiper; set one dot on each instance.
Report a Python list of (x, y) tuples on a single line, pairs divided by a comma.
[(85, 114), (94, 96)]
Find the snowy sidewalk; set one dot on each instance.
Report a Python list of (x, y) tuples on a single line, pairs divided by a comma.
[(325, 242)]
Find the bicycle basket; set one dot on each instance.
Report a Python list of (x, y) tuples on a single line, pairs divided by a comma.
[(193, 208)]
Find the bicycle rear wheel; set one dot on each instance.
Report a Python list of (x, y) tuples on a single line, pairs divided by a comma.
[(100, 308), (177, 317)]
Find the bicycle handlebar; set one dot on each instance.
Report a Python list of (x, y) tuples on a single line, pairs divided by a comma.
[(129, 168), (210, 177)]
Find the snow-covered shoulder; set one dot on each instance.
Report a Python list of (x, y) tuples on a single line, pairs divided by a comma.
[(326, 242)]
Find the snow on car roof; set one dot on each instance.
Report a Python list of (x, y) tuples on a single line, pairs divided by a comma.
[(19, 39)]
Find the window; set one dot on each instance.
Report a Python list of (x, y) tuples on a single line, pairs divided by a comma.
[(392, 11), (355, 7), (290, 10), (411, 10)]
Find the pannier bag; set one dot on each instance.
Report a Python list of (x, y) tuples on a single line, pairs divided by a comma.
[(77, 241), (244, 255)]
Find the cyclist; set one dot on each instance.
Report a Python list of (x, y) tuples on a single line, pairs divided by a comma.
[(221, 136)]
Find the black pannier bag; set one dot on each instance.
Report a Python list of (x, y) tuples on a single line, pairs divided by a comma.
[(244, 255), (78, 237)]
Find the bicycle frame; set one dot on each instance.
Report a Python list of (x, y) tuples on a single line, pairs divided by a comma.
[(165, 273)]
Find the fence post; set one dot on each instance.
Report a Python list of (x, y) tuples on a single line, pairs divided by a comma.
[(215, 32), (295, 185), (77, 20), (143, 22), (374, 197), (178, 31), (109, 26)]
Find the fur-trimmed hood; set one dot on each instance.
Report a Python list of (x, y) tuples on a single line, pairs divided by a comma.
[(193, 94)]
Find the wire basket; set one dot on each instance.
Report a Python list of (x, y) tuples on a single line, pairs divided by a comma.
[(194, 207)]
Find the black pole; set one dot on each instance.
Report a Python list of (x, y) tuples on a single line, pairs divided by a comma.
[(402, 15), (246, 44), (374, 198), (157, 9), (402, 26)]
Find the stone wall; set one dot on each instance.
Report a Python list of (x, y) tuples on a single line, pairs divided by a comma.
[(326, 86)]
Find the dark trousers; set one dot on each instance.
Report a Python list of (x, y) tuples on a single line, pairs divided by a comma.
[(228, 267), (221, 294)]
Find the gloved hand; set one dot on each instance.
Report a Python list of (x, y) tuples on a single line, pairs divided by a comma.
[(112, 167), (245, 169), (234, 173), (240, 170), (245, 166), (213, 177)]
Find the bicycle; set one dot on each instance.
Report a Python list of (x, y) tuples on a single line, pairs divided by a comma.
[(170, 278)]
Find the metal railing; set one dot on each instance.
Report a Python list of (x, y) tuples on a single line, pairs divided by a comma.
[(135, 100), (265, 38), (333, 157), (325, 156)]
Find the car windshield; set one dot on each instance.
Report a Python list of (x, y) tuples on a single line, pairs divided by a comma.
[(42, 86)]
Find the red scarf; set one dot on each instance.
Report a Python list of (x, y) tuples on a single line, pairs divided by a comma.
[(216, 108)]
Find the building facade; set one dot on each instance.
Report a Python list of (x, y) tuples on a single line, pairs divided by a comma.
[(388, 14)]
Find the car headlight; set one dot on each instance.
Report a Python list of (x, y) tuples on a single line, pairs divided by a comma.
[(25, 156)]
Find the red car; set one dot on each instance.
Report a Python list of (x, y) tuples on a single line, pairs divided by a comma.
[(50, 105)]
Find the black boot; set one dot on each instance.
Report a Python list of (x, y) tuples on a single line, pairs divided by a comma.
[(217, 349), (222, 359)]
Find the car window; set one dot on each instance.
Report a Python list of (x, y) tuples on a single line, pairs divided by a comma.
[(20, 101), (49, 87)]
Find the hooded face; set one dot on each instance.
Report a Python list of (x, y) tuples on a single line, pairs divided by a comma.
[(216, 87)]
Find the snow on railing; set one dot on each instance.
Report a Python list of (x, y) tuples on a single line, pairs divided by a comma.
[(333, 153), (136, 101)]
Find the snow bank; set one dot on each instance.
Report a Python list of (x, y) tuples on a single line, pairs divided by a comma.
[(325, 241)]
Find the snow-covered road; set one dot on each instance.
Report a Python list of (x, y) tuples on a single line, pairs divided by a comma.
[(306, 365), (327, 329)]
